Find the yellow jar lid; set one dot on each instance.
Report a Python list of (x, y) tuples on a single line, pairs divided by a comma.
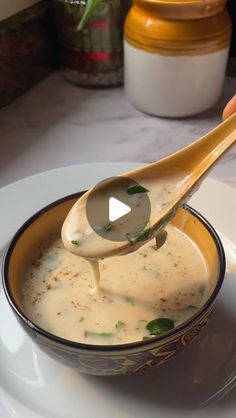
[(188, 9), (146, 30)]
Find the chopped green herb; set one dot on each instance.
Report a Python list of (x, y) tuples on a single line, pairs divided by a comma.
[(144, 235), (136, 188), (190, 307), (160, 325), (160, 239), (91, 334), (108, 227), (120, 325), (130, 300), (146, 338), (81, 319), (75, 242), (202, 289), (166, 219)]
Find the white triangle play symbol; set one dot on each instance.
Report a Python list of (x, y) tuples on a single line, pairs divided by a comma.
[(117, 209)]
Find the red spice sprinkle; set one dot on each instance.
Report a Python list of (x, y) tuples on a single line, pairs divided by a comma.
[(55, 279), (163, 300), (58, 313), (76, 275), (49, 286)]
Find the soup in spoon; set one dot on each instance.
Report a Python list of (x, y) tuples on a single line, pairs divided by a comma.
[(88, 239)]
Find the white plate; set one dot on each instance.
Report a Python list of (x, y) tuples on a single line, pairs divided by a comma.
[(199, 383)]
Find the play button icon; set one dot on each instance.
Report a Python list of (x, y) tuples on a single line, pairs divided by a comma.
[(118, 211)]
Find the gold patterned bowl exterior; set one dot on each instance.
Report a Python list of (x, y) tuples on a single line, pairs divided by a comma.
[(118, 359)]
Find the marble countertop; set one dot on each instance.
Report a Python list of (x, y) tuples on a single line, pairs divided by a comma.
[(57, 124)]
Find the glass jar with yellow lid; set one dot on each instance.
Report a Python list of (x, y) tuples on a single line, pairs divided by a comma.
[(176, 54)]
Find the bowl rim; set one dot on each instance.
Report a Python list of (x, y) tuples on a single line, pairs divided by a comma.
[(106, 347)]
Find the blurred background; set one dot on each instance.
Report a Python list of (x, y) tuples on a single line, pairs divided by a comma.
[(32, 30)]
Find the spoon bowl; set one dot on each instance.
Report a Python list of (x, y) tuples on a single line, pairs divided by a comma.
[(179, 175)]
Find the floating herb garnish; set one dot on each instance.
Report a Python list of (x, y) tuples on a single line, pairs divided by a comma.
[(91, 334), (75, 242), (144, 235), (190, 307), (160, 239), (136, 188), (120, 325), (202, 289), (129, 300), (160, 325), (108, 227)]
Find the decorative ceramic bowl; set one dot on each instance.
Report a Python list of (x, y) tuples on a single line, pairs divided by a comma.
[(107, 359)]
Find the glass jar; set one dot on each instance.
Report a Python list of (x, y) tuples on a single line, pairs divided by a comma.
[(92, 57), (176, 54)]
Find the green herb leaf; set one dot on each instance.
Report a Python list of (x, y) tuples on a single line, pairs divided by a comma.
[(108, 227), (120, 325), (91, 6), (81, 319), (146, 338), (190, 307), (136, 188), (129, 300), (160, 325), (91, 334), (75, 242), (144, 235), (202, 289), (160, 239)]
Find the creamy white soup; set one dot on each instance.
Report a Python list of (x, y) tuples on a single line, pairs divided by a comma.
[(142, 294)]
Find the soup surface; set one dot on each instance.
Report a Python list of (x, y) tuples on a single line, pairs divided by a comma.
[(168, 285)]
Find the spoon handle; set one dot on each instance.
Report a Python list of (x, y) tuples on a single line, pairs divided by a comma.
[(205, 152)]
